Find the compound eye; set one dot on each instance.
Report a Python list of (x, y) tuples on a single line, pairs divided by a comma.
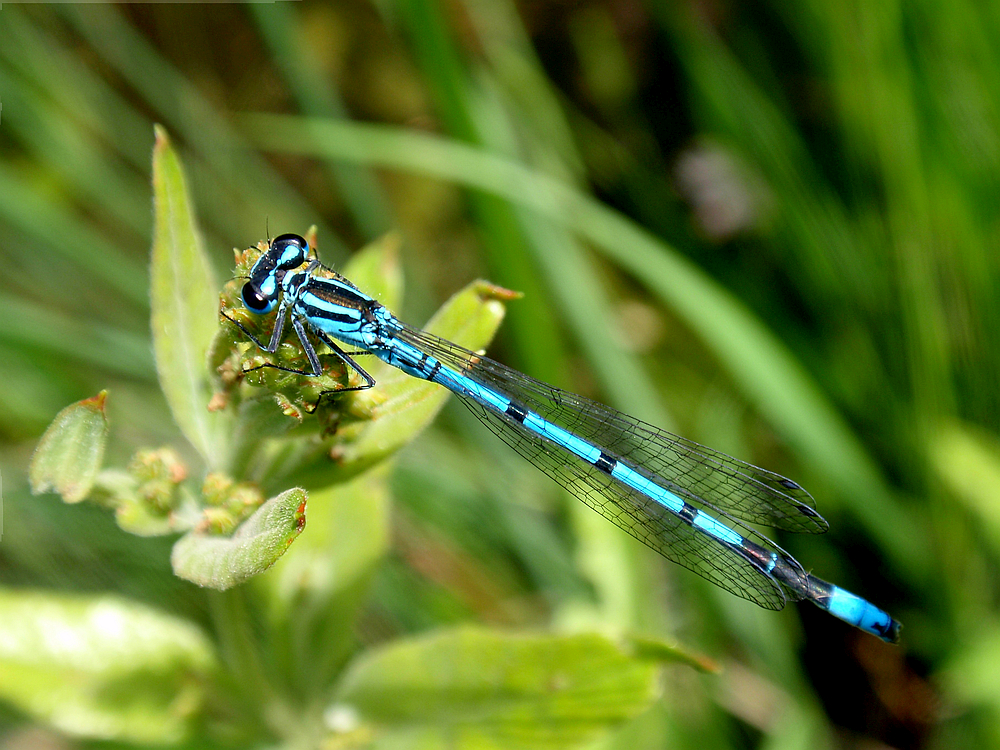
[(255, 301), (290, 250)]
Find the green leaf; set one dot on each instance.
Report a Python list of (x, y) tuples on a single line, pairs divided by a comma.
[(70, 452), (475, 688), (348, 534), (184, 300), (101, 667), (222, 562)]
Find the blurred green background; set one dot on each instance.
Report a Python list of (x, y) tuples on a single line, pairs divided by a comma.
[(771, 227)]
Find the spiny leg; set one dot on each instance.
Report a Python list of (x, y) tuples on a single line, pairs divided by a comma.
[(279, 327), (316, 371), (340, 354)]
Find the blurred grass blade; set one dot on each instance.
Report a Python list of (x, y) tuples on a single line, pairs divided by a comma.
[(223, 562), (461, 103), (314, 91), (31, 212), (70, 453), (471, 688), (101, 668), (34, 325), (184, 304), (180, 105), (574, 280), (666, 651), (98, 179), (968, 461), (970, 673)]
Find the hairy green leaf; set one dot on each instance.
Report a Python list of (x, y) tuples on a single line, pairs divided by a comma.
[(70, 452), (221, 562)]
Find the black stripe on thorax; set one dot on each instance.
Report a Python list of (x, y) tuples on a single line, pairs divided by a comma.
[(337, 293), (312, 311)]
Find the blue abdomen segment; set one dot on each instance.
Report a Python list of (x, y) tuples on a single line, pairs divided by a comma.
[(839, 602), (860, 613)]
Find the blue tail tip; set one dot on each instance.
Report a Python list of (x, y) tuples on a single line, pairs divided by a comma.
[(890, 633), (862, 614)]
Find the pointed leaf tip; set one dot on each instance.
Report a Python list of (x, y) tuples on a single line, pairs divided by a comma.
[(162, 138)]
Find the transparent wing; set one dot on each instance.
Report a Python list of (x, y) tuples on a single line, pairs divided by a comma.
[(743, 491), (705, 477)]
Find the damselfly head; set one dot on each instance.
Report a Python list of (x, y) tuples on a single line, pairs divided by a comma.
[(285, 252), (288, 251)]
